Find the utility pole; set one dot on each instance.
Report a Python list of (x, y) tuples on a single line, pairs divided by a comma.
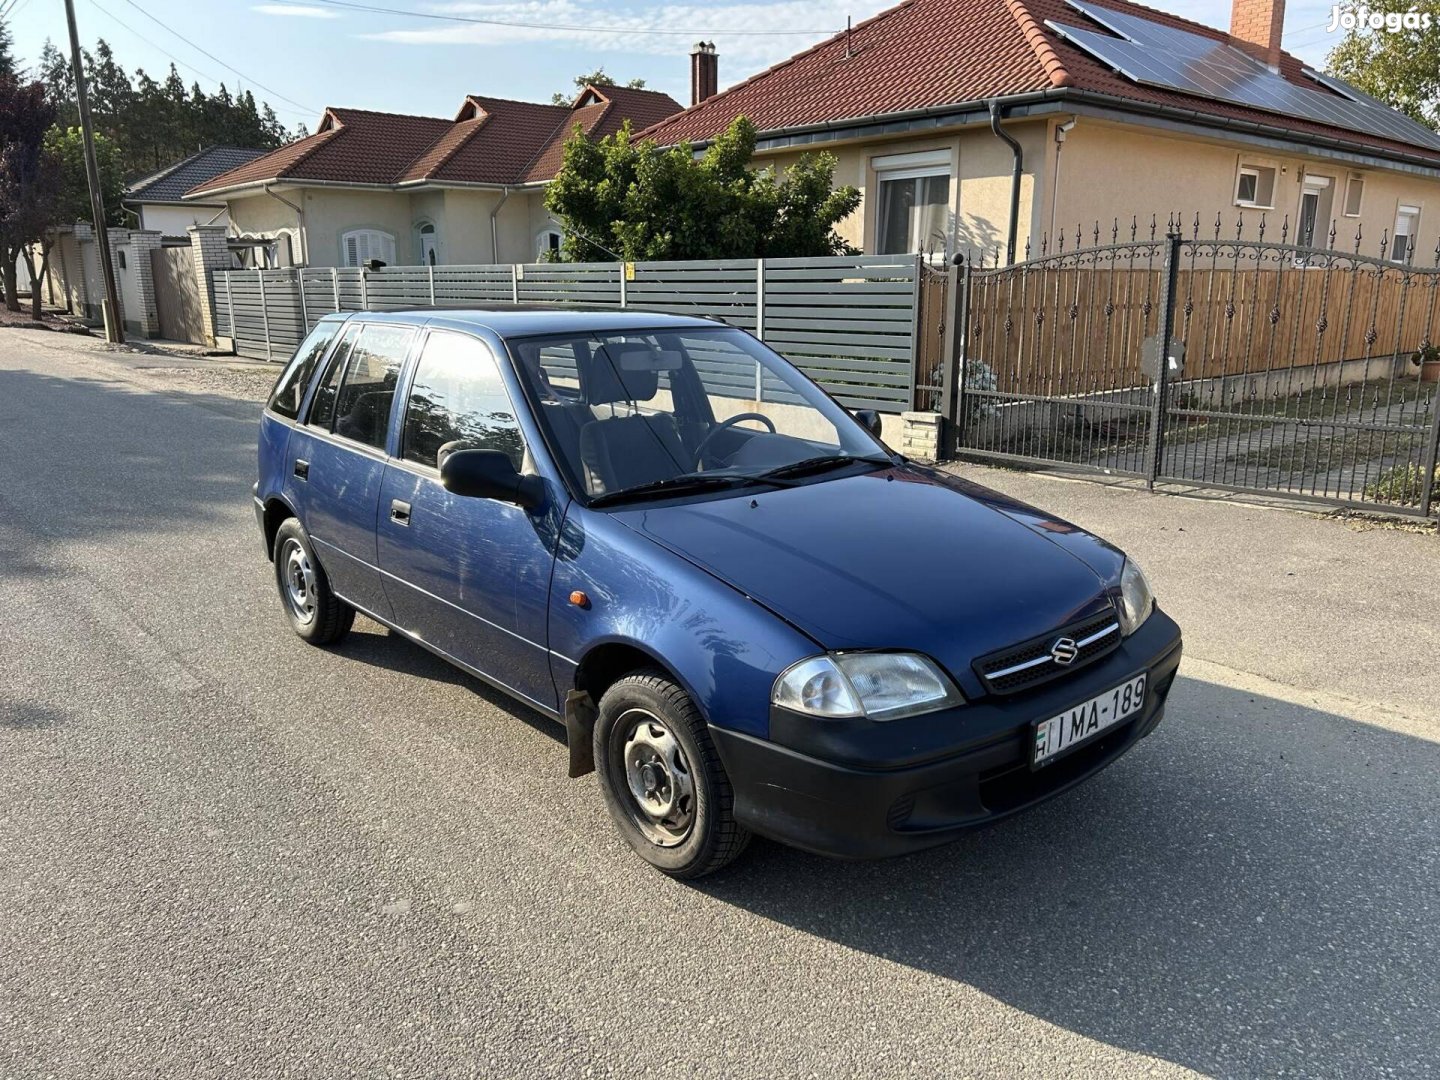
[(110, 306)]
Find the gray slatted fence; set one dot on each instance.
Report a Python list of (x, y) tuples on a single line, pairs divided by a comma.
[(849, 322)]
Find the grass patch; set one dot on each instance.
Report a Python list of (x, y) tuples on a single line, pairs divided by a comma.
[(1401, 484), (1341, 450)]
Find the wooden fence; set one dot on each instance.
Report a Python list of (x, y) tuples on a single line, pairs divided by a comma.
[(1083, 327), (849, 322)]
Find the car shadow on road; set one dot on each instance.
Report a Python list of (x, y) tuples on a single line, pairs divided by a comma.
[(1252, 891), (378, 646)]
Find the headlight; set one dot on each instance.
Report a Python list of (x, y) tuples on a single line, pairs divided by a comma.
[(880, 686), (1136, 600)]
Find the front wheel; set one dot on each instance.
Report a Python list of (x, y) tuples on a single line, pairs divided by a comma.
[(316, 614), (662, 779)]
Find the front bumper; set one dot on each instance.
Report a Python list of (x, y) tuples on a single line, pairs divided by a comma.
[(925, 793)]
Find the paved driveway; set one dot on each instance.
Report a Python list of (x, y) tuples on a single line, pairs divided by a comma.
[(224, 853)]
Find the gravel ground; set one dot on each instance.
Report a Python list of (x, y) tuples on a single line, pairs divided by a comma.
[(224, 853)]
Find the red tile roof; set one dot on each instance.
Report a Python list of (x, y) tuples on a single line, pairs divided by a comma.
[(491, 141), (931, 53)]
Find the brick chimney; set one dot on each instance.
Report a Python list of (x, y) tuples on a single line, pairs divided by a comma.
[(1255, 26), (705, 72)]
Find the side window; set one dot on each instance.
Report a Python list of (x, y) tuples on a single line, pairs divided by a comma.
[(458, 402), (290, 387), (362, 406), (322, 408)]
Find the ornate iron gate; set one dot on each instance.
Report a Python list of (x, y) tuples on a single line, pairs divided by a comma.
[(1299, 370)]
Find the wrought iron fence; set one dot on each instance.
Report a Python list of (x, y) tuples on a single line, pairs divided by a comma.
[(1308, 371)]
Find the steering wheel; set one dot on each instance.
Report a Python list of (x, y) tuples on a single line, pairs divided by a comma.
[(726, 425)]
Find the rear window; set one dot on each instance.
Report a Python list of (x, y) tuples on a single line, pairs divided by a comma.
[(290, 389)]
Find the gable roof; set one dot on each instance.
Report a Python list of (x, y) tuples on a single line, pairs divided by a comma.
[(172, 182), (927, 54), (491, 141)]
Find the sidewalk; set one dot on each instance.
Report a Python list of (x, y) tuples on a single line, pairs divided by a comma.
[(1345, 607)]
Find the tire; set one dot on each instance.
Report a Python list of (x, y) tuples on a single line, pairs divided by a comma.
[(662, 779), (316, 614)]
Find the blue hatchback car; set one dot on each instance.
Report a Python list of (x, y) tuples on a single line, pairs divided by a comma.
[(749, 614)]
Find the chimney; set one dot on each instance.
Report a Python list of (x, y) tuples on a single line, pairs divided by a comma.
[(1255, 26), (705, 72)]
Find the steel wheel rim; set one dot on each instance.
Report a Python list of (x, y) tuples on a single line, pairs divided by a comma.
[(297, 581), (659, 789)]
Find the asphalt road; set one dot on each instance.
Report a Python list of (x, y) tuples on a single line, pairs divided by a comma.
[(224, 853)]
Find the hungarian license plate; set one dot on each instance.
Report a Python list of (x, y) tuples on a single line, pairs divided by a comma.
[(1087, 720)]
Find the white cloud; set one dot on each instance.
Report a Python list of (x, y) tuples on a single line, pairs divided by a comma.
[(302, 11), (789, 26)]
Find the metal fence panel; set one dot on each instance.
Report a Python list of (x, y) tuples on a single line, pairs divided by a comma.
[(1306, 371), (849, 322)]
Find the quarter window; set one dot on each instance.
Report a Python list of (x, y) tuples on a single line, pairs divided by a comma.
[(362, 407), (290, 388), (458, 401)]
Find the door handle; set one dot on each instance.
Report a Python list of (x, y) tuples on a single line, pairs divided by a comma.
[(399, 512), (302, 468)]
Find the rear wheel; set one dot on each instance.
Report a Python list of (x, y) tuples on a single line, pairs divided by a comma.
[(316, 614), (662, 779)]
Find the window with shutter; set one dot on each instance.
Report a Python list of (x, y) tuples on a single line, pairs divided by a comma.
[(359, 246)]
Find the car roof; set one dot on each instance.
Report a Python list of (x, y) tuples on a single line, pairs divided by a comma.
[(526, 320)]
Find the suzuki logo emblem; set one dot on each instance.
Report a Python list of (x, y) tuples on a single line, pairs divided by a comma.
[(1064, 651)]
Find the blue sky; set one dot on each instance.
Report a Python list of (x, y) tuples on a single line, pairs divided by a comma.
[(302, 55)]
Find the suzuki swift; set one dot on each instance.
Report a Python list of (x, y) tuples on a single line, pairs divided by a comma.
[(748, 613)]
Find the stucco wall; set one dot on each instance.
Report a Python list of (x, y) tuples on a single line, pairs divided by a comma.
[(1109, 171), (175, 220), (979, 191)]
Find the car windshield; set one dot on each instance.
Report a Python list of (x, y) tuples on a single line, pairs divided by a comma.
[(677, 411)]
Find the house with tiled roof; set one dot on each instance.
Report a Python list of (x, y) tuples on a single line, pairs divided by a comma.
[(985, 124), (417, 189), (158, 200)]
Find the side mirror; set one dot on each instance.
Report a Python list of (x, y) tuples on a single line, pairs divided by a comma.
[(489, 474), (869, 420)]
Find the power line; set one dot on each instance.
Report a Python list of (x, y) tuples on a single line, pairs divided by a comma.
[(173, 58), (222, 63), (559, 26)]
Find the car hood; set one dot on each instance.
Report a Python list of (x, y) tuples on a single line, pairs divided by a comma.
[(898, 558)]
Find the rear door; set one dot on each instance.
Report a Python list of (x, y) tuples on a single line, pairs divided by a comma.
[(470, 577), (338, 458)]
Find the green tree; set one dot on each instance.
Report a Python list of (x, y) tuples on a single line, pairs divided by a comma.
[(154, 123), (619, 199), (594, 78), (72, 200), (7, 50), (1397, 66)]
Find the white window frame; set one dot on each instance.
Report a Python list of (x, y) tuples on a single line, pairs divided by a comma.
[(542, 242), (420, 234), (1255, 169), (377, 244), (1404, 211), (1354, 180), (914, 166)]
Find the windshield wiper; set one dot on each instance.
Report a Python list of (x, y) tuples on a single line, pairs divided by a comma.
[(673, 485), (824, 463)]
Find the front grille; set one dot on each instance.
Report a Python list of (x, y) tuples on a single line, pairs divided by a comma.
[(1030, 663)]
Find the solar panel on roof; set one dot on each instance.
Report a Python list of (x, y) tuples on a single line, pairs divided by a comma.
[(1157, 55)]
